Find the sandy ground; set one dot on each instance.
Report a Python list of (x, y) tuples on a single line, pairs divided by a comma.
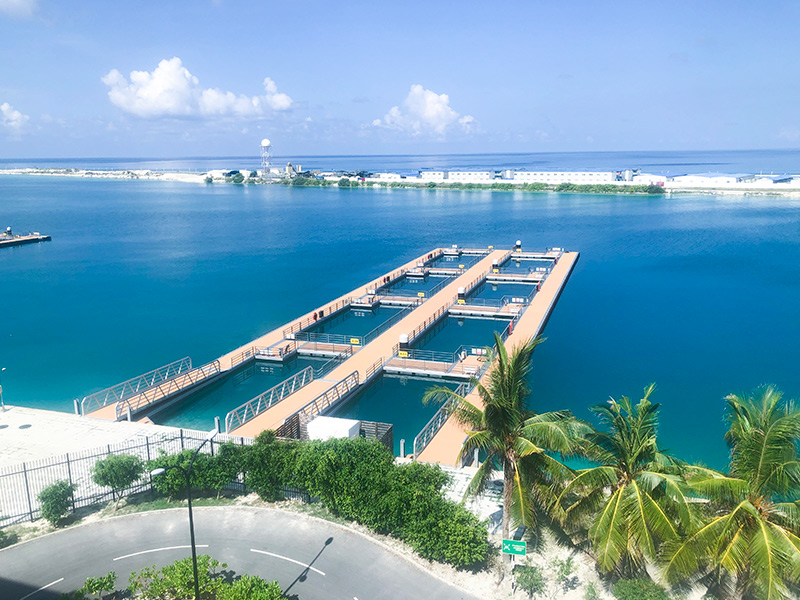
[(129, 174)]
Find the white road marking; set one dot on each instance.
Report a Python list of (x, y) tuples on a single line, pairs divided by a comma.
[(297, 562), (44, 587), (160, 549)]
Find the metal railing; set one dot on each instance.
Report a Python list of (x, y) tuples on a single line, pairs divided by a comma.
[(329, 338), (505, 300), (388, 324), (427, 322), (414, 293), (329, 398), (330, 365), (279, 350), (373, 368), (134, 386), (242, 356), (251, 409), (129, 406), (310, 320), (424, 437)]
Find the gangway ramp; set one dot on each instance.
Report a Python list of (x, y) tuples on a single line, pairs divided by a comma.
[(444, 445), (382, 346)]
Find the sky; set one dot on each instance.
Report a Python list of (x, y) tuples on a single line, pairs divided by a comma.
[(93, 78)]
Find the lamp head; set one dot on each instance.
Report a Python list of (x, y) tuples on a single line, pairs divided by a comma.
[(157, 472), (212, 434)]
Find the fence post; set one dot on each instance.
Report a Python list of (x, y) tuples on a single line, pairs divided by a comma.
[(181, 440), (28, 490), (147, 445), (69, 475)]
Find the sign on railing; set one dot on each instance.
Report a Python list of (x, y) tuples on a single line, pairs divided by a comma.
[(134, 386), (251, 409), (133, 404)]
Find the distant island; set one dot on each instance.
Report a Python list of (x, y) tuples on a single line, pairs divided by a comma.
[(627, 181)]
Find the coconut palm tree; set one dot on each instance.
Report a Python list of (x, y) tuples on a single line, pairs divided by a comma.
[(751, 538), (634, 499), (513, 438)]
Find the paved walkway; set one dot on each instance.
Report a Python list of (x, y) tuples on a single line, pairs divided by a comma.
[(446, 444)]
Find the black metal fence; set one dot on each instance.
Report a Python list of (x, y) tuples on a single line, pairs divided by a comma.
[(20, 485)]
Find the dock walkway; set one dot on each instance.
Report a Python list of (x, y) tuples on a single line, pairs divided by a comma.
[(446, 443), (380, 349)]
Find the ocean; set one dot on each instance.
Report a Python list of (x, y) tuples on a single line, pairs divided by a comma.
[(695, 293)]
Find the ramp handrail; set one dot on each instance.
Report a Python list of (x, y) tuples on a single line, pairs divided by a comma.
[(310, 320), (424, 437), (329, 397), (332, 363), (373, 368), (252, 408), (167, 388), (134, 386)]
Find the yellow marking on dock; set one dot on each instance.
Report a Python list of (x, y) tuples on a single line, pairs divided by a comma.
[(446, 444), (380, 347)]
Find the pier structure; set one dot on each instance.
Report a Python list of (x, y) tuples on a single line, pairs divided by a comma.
[(8, 238), (356, 360), (442, 438)]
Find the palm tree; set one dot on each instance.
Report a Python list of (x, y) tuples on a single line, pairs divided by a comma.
[(752, 535), (634, 499), (514, 439)]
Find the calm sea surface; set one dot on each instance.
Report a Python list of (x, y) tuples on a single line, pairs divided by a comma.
[(696, 293)]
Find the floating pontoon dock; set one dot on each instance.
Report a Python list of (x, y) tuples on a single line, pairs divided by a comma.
[(358, 360)]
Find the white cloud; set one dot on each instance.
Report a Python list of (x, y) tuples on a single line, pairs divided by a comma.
[(12, 119), (170, 90), (425, 112), (18, 8)]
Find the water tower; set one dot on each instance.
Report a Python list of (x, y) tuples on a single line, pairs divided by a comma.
[(266, 154)]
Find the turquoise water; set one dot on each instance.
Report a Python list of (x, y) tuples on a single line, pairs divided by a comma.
[(198, 410), (491, 290), (356, 321), (696, 293), (453, 332), (412, 285), (396, 400), (453, 262), (517, 266)]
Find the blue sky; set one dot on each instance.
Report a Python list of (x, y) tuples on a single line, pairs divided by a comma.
[(214, 77)]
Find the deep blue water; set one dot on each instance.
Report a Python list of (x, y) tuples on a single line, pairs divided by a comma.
[(696, 293)]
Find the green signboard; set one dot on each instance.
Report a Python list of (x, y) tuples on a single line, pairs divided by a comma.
[(514, 547)]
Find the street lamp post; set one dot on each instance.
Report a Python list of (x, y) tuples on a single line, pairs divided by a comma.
[(187, 473)]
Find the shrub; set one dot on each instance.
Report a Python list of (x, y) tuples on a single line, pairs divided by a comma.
[(639, 589), (591, 593), (529, 579), (56, 500), (117, 471), (98, 585), (6, 539), (344, 182), (249, 587), (269, 465)]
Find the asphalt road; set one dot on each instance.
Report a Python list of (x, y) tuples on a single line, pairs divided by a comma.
[(310, 559)]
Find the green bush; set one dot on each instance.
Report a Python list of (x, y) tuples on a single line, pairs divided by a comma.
[(269, 465), (117, 471), (639, 589), (6, 539), (344, 182), (530, 579), (176, 582), (56, 500), (98, 585)]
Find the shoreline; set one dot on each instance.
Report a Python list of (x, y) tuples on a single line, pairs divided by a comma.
[(216, 176)]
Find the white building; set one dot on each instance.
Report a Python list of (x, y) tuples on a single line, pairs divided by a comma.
[(711, 179), (470, 176), (556, 177), (437, 176)]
